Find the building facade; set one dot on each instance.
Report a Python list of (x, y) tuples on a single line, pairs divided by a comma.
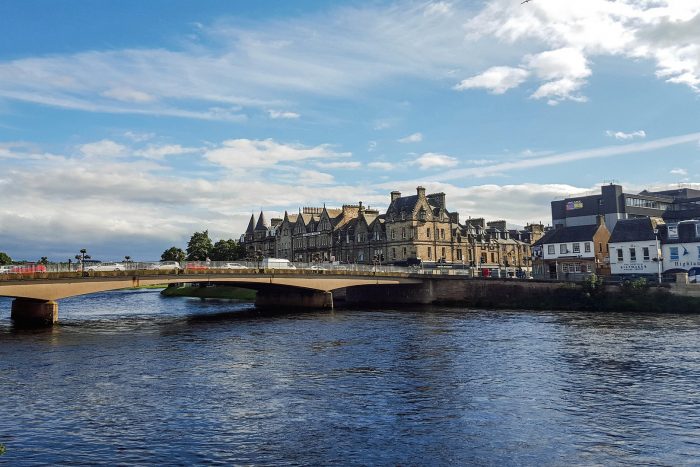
[(415, 229), (635, 248)]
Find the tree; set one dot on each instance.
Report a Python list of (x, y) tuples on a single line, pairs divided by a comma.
[(226, 250), (173, 254), (4, 259), (44, 260), (199, 247)]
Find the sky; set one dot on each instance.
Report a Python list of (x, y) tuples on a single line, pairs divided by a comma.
[(125, 126)]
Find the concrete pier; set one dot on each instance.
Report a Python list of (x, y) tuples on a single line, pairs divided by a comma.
[(294, 298), (34, 313)]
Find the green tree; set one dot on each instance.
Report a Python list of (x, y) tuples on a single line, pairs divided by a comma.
[(226, 250), (4, 259), (173, 254), (199, 247), (44, 260)]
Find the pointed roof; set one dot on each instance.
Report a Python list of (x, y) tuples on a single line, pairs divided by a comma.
[(261, 222), (251, 224)]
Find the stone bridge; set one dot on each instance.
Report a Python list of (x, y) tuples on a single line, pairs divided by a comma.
[(36, 294)]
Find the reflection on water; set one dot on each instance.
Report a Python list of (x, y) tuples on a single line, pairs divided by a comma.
[(134, 378)]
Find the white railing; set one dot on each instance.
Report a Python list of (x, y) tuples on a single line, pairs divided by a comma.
[(245, 267)]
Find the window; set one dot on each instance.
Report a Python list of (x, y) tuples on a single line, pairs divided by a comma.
[(620, 255), (674, 253), (633, 254), (393, 253), (393, 234), (550, 249), (493, 257), (587, 247), (442, 234), (600, 247), (403, 232), (699, 252), (645, 253), (428, 231), (459, 255), (404, 252), (430, 253), (565, 267), (563, 249), (443, 252), (697, 230), (577, 248)]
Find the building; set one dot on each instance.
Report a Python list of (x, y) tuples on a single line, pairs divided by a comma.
[(635, 248), (681, 248), (614, 205), (572, 253), (414, 229)]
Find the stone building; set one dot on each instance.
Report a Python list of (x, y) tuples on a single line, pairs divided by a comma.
[(414, 229)]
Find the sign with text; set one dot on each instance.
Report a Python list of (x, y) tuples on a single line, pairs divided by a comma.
[(571, 205)]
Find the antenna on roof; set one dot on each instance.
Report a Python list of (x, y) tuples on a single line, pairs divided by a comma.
[(612, 181)]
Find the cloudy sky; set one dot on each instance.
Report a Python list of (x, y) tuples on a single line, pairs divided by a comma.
[(127, 125)]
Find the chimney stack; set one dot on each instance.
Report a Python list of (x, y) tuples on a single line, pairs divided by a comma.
[(420, 191), (395, 195)]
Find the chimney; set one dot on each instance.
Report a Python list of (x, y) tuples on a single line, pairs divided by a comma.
[(599, 220), (361, 209), (420, 191), (395, 195)]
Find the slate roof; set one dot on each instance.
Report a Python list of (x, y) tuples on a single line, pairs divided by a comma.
[(579, 233), (261, 222), (251, 224), (405, 203), (633, 230)]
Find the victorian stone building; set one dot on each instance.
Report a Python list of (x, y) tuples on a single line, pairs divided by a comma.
[(415, 227)]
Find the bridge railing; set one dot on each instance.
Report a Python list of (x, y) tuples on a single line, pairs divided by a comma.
[(220, 267)]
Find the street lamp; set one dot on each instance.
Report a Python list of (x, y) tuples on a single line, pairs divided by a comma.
[(127, 259), (658, 254), (82, 257)]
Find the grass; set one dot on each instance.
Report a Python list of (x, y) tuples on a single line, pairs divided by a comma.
[(2, 449), (220, 292)]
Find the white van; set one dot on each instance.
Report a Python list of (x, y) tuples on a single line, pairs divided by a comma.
[(277, 263)]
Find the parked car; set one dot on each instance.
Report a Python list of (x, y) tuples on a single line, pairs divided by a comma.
[(99, 267), (5, 269), (166, 266), (28, 268), (233, 266), (317, 267)]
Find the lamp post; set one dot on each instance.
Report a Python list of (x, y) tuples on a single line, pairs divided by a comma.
[(82, 257), (658, 255), (127, 260)]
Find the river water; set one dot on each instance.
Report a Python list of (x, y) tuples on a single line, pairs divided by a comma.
[(135, 378)]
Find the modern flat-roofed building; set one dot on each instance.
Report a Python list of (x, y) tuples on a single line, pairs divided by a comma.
[(613, 204)]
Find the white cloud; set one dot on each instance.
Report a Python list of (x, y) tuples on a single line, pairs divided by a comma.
[(160, 152), (431, 160), (371, 146), (103, 148), (278, 114), (620, 135), (497, 80), (238, 154), (682, 172), (138, 137), (381, 165), (414, 138), (339, 165), (564, 71), (554, 159), (128, 95)]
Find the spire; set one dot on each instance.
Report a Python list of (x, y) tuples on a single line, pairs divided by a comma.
[(261, 222), (251, 224)]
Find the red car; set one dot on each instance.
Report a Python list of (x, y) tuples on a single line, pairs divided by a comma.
[(28, 269)]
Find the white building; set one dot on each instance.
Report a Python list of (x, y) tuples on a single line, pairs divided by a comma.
[(681, 249), (634, 248)]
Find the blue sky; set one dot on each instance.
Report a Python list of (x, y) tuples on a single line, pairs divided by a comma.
[(126, 126)]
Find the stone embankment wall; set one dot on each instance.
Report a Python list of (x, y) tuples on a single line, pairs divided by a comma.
[(521, 294)]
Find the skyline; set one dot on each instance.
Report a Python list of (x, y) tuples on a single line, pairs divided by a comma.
[(125, 129)]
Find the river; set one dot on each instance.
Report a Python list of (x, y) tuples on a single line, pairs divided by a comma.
[(133, 378)]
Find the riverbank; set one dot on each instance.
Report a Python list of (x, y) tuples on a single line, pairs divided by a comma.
[(219, 292)]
